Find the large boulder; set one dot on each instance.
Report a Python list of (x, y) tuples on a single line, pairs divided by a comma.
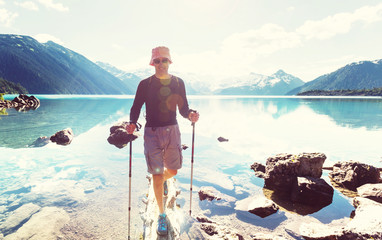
[(63, 137), (312, 191), (282, 170), (371, 191), (353, 174)]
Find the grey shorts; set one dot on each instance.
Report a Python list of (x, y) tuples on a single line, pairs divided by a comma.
[(162, 148)]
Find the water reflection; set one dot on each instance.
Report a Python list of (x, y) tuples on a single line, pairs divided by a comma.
[(353, 112), (261, 127), (19, 129), (257, 128)]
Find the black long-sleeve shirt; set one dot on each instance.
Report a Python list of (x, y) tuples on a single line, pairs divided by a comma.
[(162, 97)]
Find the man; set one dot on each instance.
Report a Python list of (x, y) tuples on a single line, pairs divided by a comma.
[(162, 93)]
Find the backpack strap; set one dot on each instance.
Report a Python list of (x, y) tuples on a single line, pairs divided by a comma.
[(177, 80)]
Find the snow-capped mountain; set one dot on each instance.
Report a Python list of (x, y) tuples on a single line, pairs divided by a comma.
[(278, 83), (130, 79), (252, 84)]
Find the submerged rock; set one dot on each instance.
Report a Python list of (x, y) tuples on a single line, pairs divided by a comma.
[(352, 175), (40, 142), (63, 137), (17, 218), (45, 224)]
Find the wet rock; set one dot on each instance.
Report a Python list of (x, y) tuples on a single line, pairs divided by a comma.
[(184, 146), (283, 169), (312, 191), (210, 229), (371, 191), (222, 139), (40, 142), (119, 136), (63, 137), (65, 193), (353, 174), (259, 169), (21, 103), (18, 217), (260, 206), (210, 194), (204, 219), (45, 224)]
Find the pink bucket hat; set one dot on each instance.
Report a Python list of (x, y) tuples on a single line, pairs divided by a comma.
[(159, 52)]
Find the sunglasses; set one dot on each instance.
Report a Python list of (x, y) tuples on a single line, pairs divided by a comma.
[(157, 61)]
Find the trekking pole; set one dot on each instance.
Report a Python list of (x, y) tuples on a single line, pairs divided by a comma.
[(192, 162), (130, 187)]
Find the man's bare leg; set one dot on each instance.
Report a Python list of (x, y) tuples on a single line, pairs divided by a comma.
[(158, 186)]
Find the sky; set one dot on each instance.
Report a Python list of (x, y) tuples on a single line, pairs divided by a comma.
[(221, 38)]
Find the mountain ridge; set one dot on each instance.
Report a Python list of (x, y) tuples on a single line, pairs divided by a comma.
[(353, 76), (49, 68)]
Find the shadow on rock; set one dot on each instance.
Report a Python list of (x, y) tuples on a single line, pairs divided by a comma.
[(290, 206), (271, 222)]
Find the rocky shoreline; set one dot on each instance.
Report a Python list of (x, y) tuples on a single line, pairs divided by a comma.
[(296, 180), (68, 215)]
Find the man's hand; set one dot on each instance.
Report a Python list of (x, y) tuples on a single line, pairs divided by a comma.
[(130, 128), (193, 116)]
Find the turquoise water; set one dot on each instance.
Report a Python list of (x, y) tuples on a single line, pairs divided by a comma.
[(257, 128)]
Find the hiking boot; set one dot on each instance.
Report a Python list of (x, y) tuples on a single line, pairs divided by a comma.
[(162, 225), (165, 188)]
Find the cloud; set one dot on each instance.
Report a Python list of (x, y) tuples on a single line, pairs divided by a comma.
[(239, 52), (266, 40), (291, 9), (339, 23), (28, 5), (43, 38), (7, 17), (117, 47), (56, 6), (2, 2), (244, 52)]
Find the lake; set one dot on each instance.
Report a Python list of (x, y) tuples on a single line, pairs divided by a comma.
[(79, 175)]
